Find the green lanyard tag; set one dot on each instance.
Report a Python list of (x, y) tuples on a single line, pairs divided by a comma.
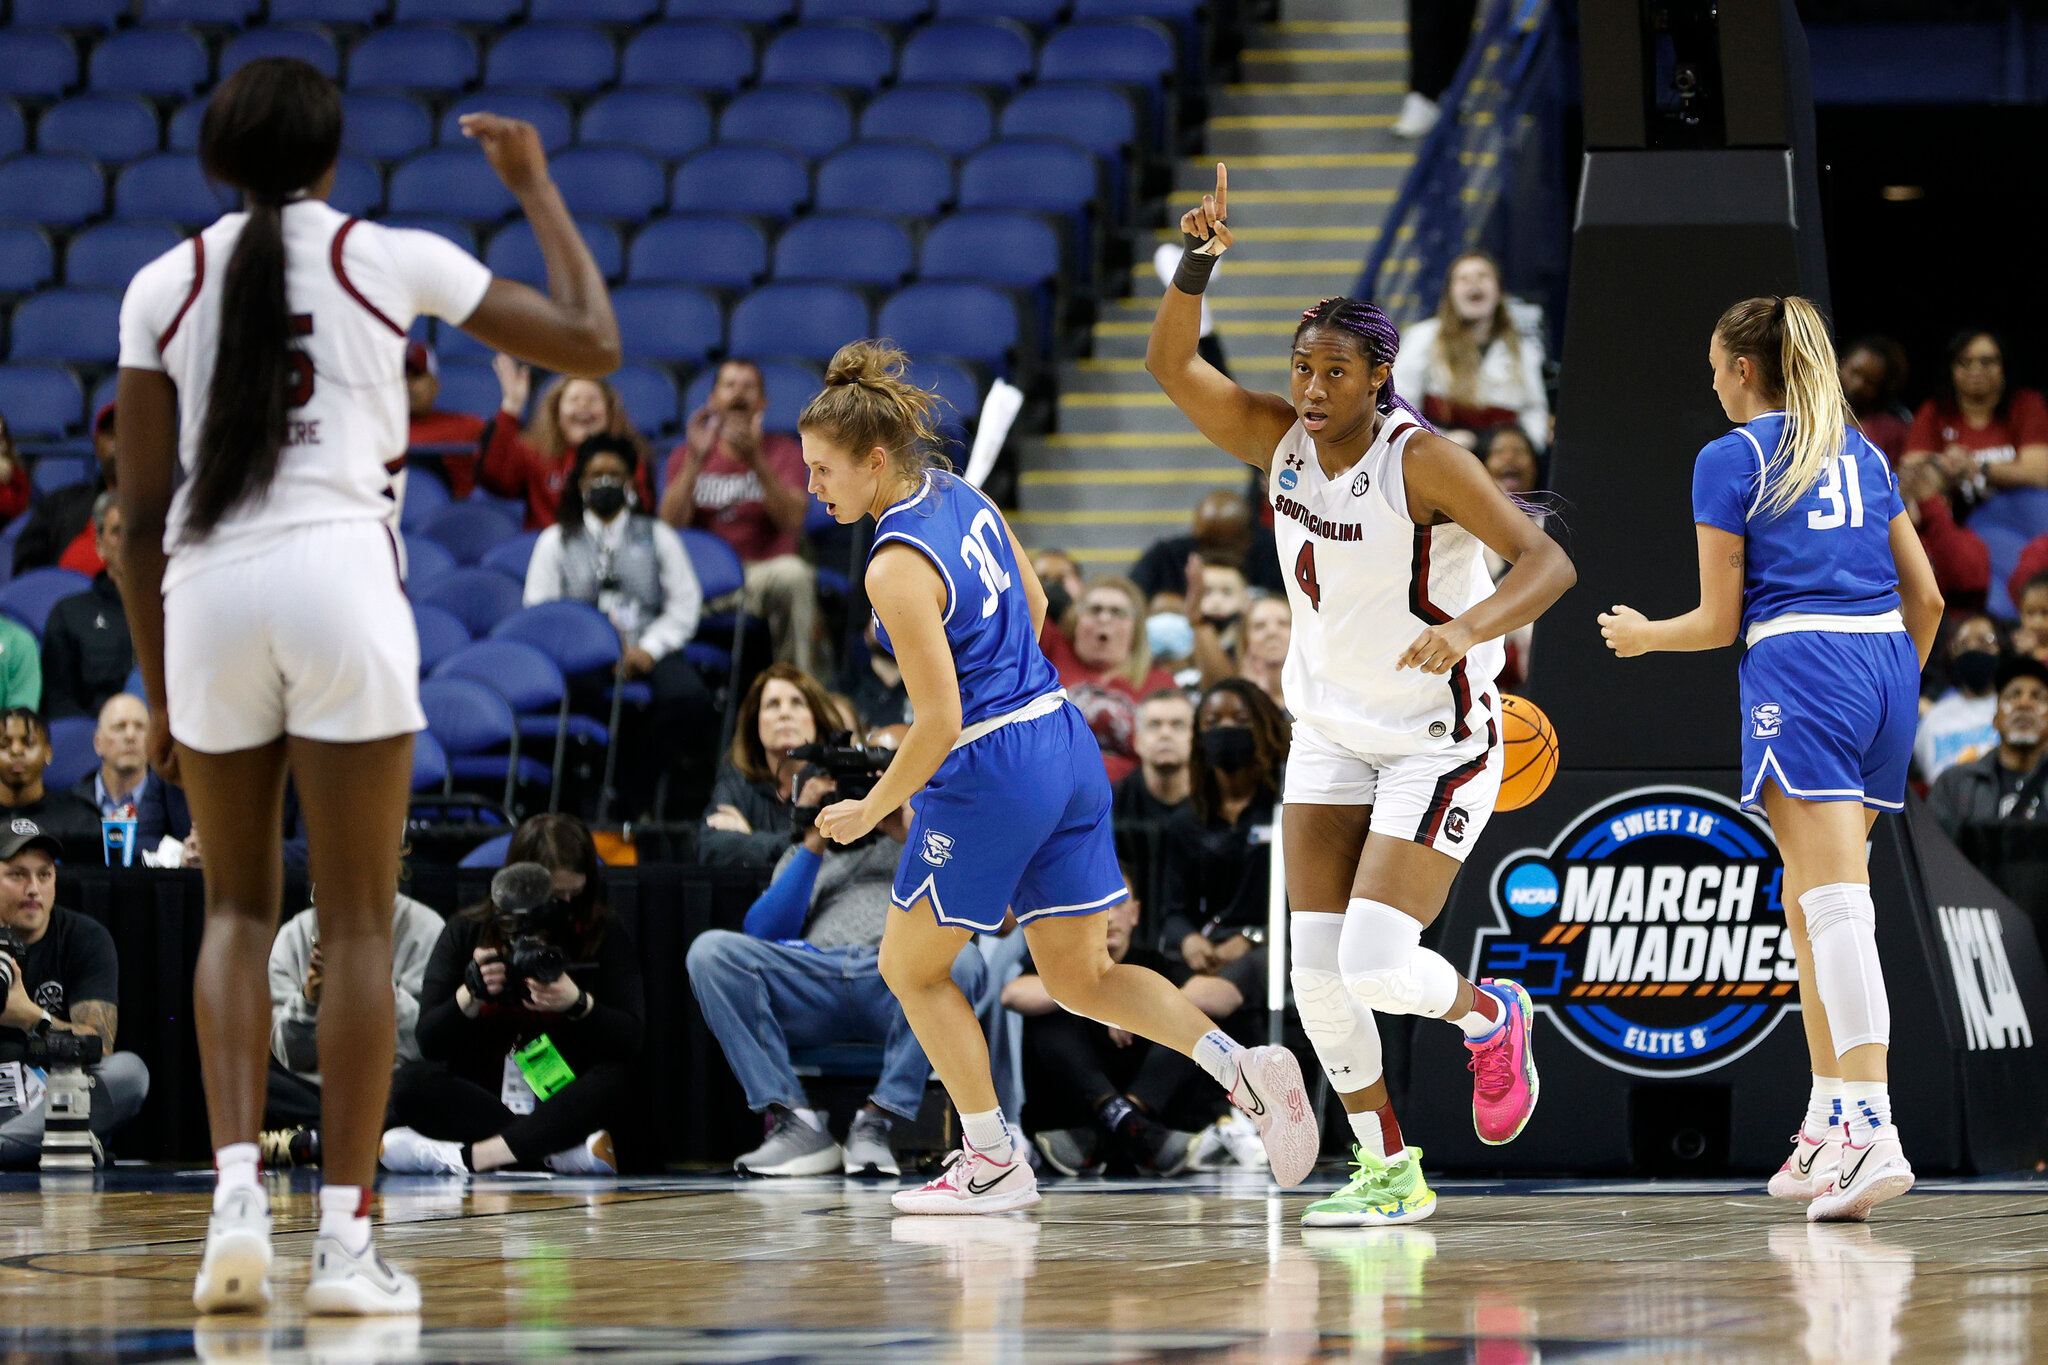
[(543, 1067)]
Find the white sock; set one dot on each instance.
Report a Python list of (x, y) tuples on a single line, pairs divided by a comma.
[(1217, 1053), (987, 1134), (1866, 1105), (1823, 1108), (817, 1118), (344, 1216), (1372, 1134), (236, 1167), (1478, 1024)]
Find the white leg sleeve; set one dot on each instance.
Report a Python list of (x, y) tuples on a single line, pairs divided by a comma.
[(1346, 1040), (1387, 969), (1841, 923)]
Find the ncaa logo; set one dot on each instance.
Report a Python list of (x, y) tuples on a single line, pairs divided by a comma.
[(1360, 484), (1650, 931), (1454, 824), (938, 848), (1288, 478), (1766, 720)]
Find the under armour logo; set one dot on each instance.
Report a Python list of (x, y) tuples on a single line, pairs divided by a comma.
[(1296, 462)]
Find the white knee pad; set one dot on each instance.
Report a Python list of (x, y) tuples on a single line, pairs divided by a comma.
[(1346, 1040), (1841, 924), (1387, 969)]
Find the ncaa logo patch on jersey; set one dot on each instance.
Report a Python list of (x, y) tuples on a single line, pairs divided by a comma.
[(938, 848), (1766, 720), (1360, 484), (1288, 479)]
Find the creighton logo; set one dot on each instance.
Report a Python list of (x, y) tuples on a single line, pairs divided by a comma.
[(1766, 720), (1650, 931), (938, 848)]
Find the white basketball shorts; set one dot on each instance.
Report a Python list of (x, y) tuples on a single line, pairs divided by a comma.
[(1441, 799)]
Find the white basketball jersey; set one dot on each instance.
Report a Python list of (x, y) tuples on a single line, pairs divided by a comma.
[(1364, 581), (354, 289)]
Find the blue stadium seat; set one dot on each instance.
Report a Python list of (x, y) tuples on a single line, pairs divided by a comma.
[(955, 383), (610, 182), (472, 723), (515, 254), (1039, 13), (1181, 18), (1017, 250), (488, 854), (849, 56), (575, 635), (81, 326), (595, 11), (649, 393), (210, 12), (767, 182), (787, 384), (762, 12), (462, 234), (876, 11), (169, 185), (425, 499), (468, 388), (30, 596), (71, 752), (414, 56), (510, 557), (669, 123), (109, 127), (908, 179), (552, 57), (430, 765), (54, 188), (165, 62), (329, 11), (107, 255), (548, 115), (1101, 118), (27, 260), (311, 45), (1041, 174), (457, 11), (76, 14), (386, 127), (13, 129), (711, 55), (708, 249), (1134, 52), (37, 64), (468, 530), (182, 133), (972, 321), (812, 122), (994, 52), (41, 402), (668, 321), (54, 470), (358, 187), (844, 248), (955, 119), (453, 182), (426, 560), (807, 320)]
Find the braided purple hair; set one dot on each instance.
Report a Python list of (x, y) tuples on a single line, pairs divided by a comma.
[(1376, 330)]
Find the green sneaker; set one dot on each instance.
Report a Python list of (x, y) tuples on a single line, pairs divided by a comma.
[(1379, 1193)]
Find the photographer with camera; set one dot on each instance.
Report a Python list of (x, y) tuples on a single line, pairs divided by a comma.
[(60, 980), (531, 1017), (807, 971)]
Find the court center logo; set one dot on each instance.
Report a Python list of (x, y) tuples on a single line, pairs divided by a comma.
[(1650, 930)]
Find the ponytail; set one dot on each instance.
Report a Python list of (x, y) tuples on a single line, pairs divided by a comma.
[(1787, 340)]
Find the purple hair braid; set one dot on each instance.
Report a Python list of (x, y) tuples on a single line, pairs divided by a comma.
[(1382, 341)]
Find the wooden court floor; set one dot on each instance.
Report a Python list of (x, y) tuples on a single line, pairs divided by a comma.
[(1212, 1269)]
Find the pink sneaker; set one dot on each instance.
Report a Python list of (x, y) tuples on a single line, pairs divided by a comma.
[(1504, 1070), (1810, 1168), (971, 1183), (1270, 1091)]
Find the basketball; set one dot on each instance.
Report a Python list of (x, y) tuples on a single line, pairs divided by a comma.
[(1531, 752)]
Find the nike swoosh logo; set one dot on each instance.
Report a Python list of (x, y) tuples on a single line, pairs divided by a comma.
[(1804, 1164), (1008, 1171), (1848, 1177), (1257, 1107)]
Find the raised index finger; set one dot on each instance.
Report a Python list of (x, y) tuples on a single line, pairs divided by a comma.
[(1222, 191)]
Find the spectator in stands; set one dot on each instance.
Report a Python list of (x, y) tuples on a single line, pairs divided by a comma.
[(21, 667), (746, 485), (1268, 630), (123, 782), (1982, 434), (1158, 787), (1214, 607), (1438, 33), (874, 684), (534, 464), (1107, 666), (748, 821), (1512, 461), (429, 426), (24, 754), (86, 653), (1469, 366), (1958, 555), (1061, 580), (1957, 727), (59, 529), (2032, 601), (67, 981), (2006, 783), (490, 1090), (605, 551), (16, 490), (1873, 375), (291, 1109), (1223, 529)]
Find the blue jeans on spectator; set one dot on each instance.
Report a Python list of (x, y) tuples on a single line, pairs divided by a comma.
[(761, 999)]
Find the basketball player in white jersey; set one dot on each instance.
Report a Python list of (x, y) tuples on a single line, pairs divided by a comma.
[(1382, 526), (266, 357)]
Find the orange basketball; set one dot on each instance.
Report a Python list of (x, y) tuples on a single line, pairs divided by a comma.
[(1531, 759)]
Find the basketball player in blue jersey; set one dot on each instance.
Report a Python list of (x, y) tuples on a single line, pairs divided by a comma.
[(1807, 553), (1010, 803)]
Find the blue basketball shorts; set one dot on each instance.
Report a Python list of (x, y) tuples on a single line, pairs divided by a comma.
[(1829, 716), (1018, 819)]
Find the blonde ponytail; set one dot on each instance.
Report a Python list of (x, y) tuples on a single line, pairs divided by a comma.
[(867, 402), (1787, 340)]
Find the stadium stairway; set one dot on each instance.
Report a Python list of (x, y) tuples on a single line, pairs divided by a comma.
[(1313, 169)]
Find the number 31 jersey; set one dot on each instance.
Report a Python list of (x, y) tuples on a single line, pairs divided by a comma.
[(988, 621), (1364, 580)]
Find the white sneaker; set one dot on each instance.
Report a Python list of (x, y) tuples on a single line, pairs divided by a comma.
[(234, 1274), (408, 1153), (1270, 1091), (1240, 1137), (592, 1156), (1812, 1164), (1419, 114), (971, 1183), (358, 1285), (1867, 1175)]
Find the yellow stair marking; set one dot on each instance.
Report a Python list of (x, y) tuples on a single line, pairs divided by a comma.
[(1340, 26), (1138, 516), (1304, 161), (1136, 364), (1227, 471), (1242, 303), (1286, 234), (1232, 327), (1240, 122), (1190, 198), (1115, 400), (1346, 266), (1119, 556), (1316, 88), (1127, 440), (1325, 54)]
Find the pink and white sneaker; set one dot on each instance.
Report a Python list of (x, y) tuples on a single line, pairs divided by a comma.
[(1810, 1167), (1503, 1067), (1863, 1178), (1270, 1091), (972, 1183)]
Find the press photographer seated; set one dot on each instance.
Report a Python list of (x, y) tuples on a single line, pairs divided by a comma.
[(531, 1019), (59, 979), (807, 972)]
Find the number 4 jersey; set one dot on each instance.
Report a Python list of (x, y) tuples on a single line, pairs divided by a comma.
[(1364, 581), (354, 289)]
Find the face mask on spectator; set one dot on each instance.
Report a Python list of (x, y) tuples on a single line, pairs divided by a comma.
[(1230, 748), (1169, 635), (606, 497), (1057, 601), (1973, 669)]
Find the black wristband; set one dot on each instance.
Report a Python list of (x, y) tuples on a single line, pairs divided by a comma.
[(1191, 276), (473, 977)]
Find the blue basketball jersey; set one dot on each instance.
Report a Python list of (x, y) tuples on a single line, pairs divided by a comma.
[(1830, 552), (988, 620)]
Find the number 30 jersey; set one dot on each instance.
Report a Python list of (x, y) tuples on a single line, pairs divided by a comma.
[(1364, 580), (354, 288), (988, 621)]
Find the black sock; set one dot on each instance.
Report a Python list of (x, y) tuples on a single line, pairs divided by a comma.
[(469, 1157)]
